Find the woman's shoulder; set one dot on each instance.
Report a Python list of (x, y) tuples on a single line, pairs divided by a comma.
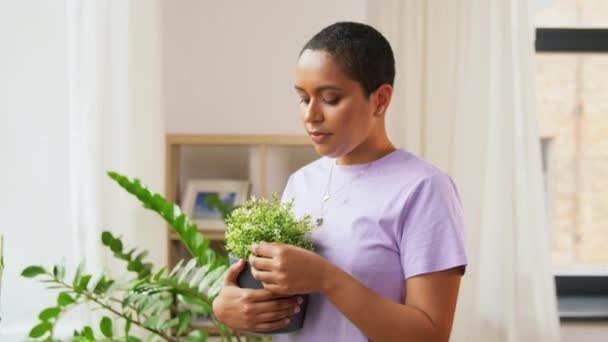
[(314, 169), (407, 168)]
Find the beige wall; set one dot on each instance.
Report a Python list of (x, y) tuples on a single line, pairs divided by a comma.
[(229, 65)]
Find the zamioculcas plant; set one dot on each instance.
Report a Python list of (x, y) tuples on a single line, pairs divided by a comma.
[(162, 302)]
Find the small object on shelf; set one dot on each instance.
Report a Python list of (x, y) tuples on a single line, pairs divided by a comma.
[(198, 192)]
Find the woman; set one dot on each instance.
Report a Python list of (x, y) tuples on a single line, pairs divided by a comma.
[(389, 246)]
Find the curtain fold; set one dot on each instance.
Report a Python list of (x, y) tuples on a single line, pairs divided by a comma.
[(115, 124), (464, 100)]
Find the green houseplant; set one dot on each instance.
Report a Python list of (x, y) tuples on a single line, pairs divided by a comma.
[(262, 220), (162, 302)]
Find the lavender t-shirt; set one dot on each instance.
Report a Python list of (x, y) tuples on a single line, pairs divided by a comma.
[(386, 222)]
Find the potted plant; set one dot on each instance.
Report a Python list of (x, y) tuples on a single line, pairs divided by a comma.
[(262, 220)]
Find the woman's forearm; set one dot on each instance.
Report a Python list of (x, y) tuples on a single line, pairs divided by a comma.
[(377, 317)]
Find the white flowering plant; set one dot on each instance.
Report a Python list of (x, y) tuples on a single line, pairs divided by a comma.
[(263, 220)]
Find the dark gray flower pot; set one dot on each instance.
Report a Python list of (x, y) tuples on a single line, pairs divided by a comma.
[(247, 281)]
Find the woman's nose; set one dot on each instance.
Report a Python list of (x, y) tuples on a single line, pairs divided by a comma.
[(313, 112)]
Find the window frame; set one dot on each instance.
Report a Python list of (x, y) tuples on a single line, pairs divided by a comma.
[(578, 295)]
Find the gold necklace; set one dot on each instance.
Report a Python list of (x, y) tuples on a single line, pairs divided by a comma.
[(328, 195)]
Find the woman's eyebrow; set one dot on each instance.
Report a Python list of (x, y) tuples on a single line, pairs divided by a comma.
[(320, 89)]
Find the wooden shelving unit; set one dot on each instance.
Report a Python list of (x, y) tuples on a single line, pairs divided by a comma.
[(265, 160)]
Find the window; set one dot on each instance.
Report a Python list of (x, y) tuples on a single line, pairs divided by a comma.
[(572, 104)]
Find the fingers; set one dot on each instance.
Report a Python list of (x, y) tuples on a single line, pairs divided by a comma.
[(266, 249), (270, 315), (277, 315), (270, 306), (261, 263), (264, 276), (270, 326), (279, 289), (259, 295), (233, 272)]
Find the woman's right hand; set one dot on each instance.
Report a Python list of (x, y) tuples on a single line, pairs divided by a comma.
[(253, 310)]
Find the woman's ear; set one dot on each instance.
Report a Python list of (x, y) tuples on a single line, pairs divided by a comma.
[(383, 97)]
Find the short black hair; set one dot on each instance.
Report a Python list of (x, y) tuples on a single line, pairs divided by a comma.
[(360, 50)]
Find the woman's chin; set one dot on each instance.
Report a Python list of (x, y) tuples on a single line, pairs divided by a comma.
[(327, 150)]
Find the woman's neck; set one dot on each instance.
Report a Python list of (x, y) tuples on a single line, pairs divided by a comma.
[(367, 152)]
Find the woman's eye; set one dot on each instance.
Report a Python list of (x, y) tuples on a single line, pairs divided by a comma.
[(332, 101), (304, 101)]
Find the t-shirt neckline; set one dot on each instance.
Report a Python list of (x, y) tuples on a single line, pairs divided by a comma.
[(358, 167)]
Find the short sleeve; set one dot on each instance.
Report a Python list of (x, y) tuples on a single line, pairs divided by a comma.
[(288, 194), (433, 228)]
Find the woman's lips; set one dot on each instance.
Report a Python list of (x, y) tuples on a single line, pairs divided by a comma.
[(319, 137)]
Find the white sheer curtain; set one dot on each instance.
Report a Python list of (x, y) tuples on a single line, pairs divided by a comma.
[(81, 86), (465, 101), (115, 124)]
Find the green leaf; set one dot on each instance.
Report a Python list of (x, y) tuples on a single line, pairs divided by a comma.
[(88, 333), (84, 282), (212, 277), (158, 203), (224, 331), (170, 323), (180, 224), (116, 246), (49, 313), (197, 241), (78, 274), (64, 299), (128, 324), (107, 238), (185, 318), (197, 336), (102, 285), (198, 276), (32, 271), (190, 237), (176, 268), (142, 255), (111, 289), (106, 326), (215, 289), (186, 270), (135, 266), (159, 273), (147, 302), (41, 329), (129, 254), (133, 339), (59, 271), (152, 321)]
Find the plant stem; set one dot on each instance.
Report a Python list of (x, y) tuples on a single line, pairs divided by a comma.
[(92, 297), (187, 291)]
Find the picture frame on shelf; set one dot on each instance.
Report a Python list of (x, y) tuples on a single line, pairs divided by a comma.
[(229, 191)]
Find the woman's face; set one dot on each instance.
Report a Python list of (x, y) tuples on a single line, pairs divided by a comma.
[(334, 111)]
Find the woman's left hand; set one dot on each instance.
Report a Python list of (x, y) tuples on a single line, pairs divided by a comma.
[(286, 269)]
